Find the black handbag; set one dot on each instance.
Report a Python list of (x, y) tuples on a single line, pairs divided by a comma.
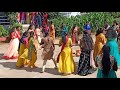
[(115, 67)]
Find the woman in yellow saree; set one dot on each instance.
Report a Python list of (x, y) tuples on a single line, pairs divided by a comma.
[(32, 51), (66, 61), (99, 43), (23, 51)]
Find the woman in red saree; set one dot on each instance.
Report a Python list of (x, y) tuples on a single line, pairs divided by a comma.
[(18, 31), (12, 52), (45, 19), (75, 34)]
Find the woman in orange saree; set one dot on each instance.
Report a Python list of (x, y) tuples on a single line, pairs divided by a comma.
[(52, 31)]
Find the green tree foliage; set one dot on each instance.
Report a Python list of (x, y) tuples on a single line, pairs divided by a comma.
[(97, 20), (12, 16), (53, 15), (115, 14), (13, 19), (3, 31)]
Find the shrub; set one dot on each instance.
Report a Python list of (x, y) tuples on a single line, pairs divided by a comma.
[(3, 31)]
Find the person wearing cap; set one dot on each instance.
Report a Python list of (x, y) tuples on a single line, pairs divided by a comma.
[(86, 45), (87, 27)]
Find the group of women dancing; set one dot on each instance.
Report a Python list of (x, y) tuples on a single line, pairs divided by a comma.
[(102, 55), (24, 47)]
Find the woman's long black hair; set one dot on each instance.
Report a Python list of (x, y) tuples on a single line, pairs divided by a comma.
[(106, 60), (25, 34), (31, 35), (64, 37), (30, 26), (99, 31)]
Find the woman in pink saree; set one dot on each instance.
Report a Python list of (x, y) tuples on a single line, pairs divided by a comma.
[(12, 52)]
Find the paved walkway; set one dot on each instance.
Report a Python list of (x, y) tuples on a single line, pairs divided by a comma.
[(8, 69)]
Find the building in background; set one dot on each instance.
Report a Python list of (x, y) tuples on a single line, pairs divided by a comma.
[(69, 14)]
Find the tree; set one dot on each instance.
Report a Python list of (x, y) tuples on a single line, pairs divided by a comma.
[(97, 20), (53, 15), (115, 14)]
